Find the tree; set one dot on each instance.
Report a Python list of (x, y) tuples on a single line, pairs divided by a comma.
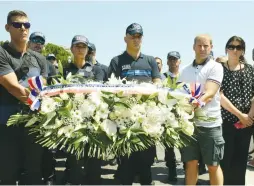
[(60, 53)]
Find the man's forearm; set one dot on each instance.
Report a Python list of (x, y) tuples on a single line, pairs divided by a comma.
[(20, 92)]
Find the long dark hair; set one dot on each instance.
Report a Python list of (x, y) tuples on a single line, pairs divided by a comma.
[(242, 43)]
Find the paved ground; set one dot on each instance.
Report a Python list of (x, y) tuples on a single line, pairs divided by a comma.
[(160, 171)]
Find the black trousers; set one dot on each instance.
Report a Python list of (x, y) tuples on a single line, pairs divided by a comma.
[(83, 171), (170, 159), (235, 158), (20, 157), (48, 164), (10, 154), (138, 162)]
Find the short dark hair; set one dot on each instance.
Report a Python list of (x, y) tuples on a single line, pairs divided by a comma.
[(15, 13)]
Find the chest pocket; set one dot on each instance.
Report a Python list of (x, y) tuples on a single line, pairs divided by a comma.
[(86, 72), (29, 68)]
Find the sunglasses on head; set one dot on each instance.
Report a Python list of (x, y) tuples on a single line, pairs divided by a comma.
[(233, 47), (38, 40), (19, 24)]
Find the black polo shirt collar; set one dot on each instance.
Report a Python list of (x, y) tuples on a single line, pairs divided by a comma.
[(12, 51), (194, 64), (129, 56)]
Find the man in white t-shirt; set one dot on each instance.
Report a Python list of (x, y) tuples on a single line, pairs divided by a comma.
[(210, 143)]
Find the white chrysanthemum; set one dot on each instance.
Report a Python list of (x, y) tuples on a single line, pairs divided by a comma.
[(109, 127), (87, 109), (48, 105), (64, 96), (76, 116)]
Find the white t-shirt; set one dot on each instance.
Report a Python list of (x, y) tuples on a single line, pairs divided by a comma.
[(209, 71)]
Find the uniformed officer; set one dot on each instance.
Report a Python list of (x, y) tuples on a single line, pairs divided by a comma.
[(36, 43), (74, 173), (133, 65), (91, 56), (17, 64)]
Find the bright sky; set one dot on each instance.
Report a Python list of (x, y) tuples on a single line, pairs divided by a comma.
[(167, 25)]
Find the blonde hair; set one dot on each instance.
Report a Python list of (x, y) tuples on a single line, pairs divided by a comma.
[(207, 36)]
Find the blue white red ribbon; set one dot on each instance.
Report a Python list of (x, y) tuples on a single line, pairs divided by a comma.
[(36, 84), (38, 90), (194, 89)]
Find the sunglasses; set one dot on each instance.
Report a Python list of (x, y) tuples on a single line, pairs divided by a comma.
[(19, 24), (51, 58), (233, 47), (38, 40)]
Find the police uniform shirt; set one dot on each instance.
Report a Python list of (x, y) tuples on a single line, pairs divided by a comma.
[(144, 69), (104, 68), (24, 66), (87, 71), (51, 69)]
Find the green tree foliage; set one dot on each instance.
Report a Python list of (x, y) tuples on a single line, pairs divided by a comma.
[(60, 53)]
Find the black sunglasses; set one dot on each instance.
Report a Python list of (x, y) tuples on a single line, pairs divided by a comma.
[(38, 40), (233, 47), (19, 24), (51, 58)]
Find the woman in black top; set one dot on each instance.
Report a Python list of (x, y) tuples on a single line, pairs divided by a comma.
[(237, 91)]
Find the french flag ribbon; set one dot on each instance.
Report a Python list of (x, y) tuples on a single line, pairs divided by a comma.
[(36, 84), (194, 89), (33, 100)]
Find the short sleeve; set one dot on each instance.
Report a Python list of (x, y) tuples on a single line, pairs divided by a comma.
[(5, 67), (98, 73), (51, 69), (112, 69), (155, 69), (216, 74)]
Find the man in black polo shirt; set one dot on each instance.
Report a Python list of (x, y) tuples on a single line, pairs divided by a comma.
[(17, 64), (74, 173), (133, 65), (36, 43), (91, 56)]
